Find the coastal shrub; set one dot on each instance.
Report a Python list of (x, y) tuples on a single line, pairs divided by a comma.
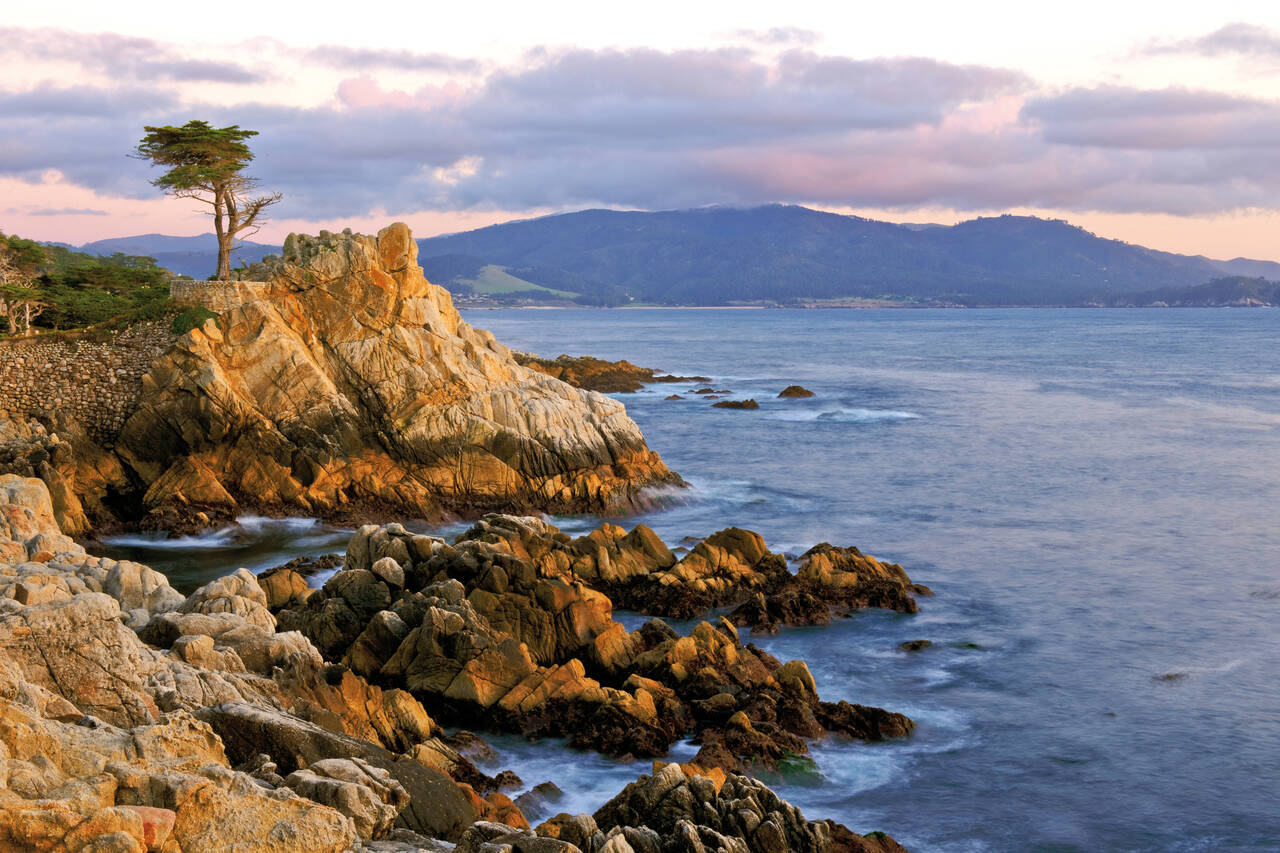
[(189, 319), (75, 290)]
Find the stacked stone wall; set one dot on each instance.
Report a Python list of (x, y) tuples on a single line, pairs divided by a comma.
[(95, 382), (217, 296)]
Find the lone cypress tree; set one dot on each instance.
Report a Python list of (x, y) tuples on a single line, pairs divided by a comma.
[(206, 163)]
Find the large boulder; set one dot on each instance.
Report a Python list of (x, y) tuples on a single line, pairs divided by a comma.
[(73, 785), (350, 382), (366, 794)]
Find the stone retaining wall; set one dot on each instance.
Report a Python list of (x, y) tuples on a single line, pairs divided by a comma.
[(94, 382), (217, 296)]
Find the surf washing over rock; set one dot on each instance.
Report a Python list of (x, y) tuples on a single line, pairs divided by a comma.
[(346, 385)]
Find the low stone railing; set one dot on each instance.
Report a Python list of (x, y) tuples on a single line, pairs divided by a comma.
[(217, 296)]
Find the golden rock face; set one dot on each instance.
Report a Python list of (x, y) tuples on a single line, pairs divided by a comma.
[(352, 386)]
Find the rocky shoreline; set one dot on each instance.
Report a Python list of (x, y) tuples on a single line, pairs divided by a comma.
[(266, 713), (260, 713)]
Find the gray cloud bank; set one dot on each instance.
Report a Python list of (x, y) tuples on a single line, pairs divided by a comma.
[(657, 129), (120, 57), (1235, 39)]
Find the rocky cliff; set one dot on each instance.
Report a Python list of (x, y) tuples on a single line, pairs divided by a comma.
[(351, 386)]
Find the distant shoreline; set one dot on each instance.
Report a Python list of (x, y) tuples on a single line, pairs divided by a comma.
[(465, 307)]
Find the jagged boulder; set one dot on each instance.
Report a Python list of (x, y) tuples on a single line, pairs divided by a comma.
[(77, 785), (366, 794), (690, 811), (352, 382)]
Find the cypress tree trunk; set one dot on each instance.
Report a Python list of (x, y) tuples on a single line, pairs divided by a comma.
[(222, 231)]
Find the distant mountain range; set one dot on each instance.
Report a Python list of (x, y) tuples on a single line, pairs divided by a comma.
[(779, 254), (786, 254), (194, 256)]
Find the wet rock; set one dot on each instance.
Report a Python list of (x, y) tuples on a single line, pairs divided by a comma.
[(688, 809), (915, 645), (503, 626), (540, 800), (795, 391), (845, 840), (594, 374), (828, 577), (736, 404)]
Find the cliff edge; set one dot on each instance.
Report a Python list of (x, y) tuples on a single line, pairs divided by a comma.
[(347, 385)]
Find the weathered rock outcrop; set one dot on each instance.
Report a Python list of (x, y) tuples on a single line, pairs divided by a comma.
[(595, 374), (795, 391), (689, 809), (82, 478), (99, 736), (511, 625), (352, 386)]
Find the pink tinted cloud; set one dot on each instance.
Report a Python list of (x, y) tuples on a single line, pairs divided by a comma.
[(364, 92), (54, 209)]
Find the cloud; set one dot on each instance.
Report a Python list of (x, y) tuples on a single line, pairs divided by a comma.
[(120, 56), (777, 36), (661, 129), (57, 103), (372, 59), (1152, 120), (59, 211), (1235, 39)]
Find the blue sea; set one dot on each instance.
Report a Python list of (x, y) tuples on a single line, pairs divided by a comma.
[(1094, 497)]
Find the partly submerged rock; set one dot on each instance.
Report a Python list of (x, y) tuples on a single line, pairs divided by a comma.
[(795, 391), (595, 374), (688, 808)]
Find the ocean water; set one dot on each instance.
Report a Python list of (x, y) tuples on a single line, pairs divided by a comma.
[(1092, 495)]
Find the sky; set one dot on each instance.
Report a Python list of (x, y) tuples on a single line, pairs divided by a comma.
[(1145, 122)]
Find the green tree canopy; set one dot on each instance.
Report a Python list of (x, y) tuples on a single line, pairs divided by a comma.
[(20, 301), (207, 163)]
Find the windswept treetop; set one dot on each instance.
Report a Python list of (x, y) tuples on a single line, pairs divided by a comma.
[(206, 163), (201, 156)]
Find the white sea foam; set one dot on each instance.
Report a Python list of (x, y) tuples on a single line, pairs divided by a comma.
[(238, 535), (259, 524), (843, 416), (223, 538)]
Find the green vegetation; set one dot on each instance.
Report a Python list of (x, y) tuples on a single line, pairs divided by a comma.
[(21, 301), (52, 287), (190, 319), (207, 164), (492, 278), (1235, 290)]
